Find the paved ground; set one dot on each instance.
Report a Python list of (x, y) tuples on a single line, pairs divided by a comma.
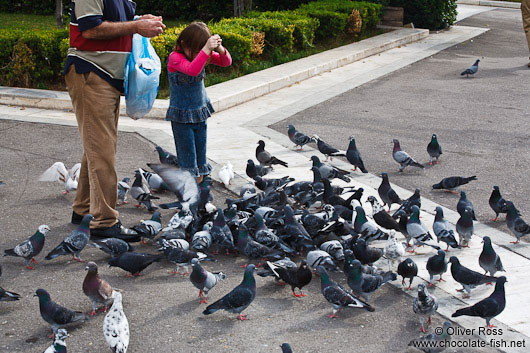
[(163, 311), (482, 123)]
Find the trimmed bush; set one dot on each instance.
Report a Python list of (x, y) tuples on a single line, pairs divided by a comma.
[(275, 5), (36, 7), (431, 14)]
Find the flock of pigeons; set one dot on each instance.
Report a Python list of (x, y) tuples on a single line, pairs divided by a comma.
[(273, 221)]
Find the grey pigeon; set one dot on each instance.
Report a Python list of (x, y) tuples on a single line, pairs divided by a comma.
[(515, 223), (239, 298), (424, 305), (254, 170), (434, 149), (431, 343), (436, 266), (354, 156), (298, 138), (116, 326), (286, 348), (368, 229), (141, 193), (254, 250), (417, 230), (386, 193), (317, 258), (265, 183), (406, 206), (31, 247), (154, 181), (202, 240), (464, 227), (134, 262), (365, 254), (166, 157), (489, 307), (265, 158), (123, 189), (221, 234), (497, 202), (443, 231), (365, 284), (112, 246), (489, 260), (338, 296), (403, 158), (8, 296), (59, 344), (326, 149), (74, 242), (328, 171), (453, 182), (96, 289), (204, 280), (469, 279), (149, 228), (471, 70), (182, 257), (464, 203), (54, 314), (407, 269)]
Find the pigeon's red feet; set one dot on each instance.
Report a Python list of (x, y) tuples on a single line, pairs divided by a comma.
[(490, 326), (29, 268), (489, 283), (441, 280), (137, 205), (244, 266), (429, 322), (78, 259), (494, 219), (51, 335), (332, 316), (430, 284), (296, 295), (409, 288), (174, 272), (242, 317), (33, 260), (203, 301), (65, 192), (137, 274), (279, 283), (92, 313), (200, 293), (128, 275), (411, 251), (423, 329), (515, 242), (302, 294), (185, 274), (103, 309)]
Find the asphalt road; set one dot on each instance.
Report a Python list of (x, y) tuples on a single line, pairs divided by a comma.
[(163, 310), (483, 123)]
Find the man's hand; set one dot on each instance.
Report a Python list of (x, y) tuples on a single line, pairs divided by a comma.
[(149, 27), (150, 17)]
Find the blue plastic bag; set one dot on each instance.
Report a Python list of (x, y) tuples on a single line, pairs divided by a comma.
[(142, 76)]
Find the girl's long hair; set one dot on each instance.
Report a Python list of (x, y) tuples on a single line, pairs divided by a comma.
[(193, 38)]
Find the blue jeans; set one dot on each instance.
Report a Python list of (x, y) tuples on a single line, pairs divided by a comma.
[(190, 142)]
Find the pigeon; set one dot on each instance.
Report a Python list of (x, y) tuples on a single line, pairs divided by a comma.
[(489, 307), (471, 70), (295, 231), (443, 230), (202, 240), (453, 182), (182, 183), (204, 280), (221, 234), (286, 348), (328, 171), (317, 258), (264, 183), (74, 242), (180, 220), (116, 326), (407, 269), (254, 250), (365, 284), (354, 156), (59, 344), (7, 296), (58, 172), (239, 298), (181, 257), (54, 314), (112, 246), (464, 227), (386, 193), (436, 266), (464, 203), (134, 262), (265, 158), (154, 181), (298, 138), (424, 305), (431, 343), (469, 279), (365, 254), (394, 250), (226, 174), (254, 170), (338, 296), (406, 206), (96, 289), (166, 157), (141, 193), (515, 223), (296, 277), (265, 236), (434, 149), (488, 259), (150, 228), (368, 229), (417, 230), (123, 189), (267, 271), (326, 149), (247, 189), (31, 247), (497, 203), (334, 248), (403, 158), (381, 217)]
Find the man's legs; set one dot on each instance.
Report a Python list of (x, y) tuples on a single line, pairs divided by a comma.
[(525, 10), (96, 105)]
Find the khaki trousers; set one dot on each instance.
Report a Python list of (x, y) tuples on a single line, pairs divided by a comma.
[(525, 10), (96, 105)]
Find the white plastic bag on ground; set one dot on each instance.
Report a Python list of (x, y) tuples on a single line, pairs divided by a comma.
[(142, 75)]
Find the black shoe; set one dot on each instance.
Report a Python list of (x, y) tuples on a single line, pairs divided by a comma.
[(116, 231), (76, 218)]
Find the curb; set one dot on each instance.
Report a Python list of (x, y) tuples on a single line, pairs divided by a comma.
[(242, 89), (503, 4)]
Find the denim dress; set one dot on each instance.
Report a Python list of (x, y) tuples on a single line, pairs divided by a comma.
[(189, 107)]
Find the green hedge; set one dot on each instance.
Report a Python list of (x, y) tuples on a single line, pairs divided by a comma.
[(431, 14)]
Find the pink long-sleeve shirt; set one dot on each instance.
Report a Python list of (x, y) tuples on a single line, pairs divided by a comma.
[(178, 62)]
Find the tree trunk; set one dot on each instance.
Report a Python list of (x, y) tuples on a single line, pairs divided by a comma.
[(59, 13)]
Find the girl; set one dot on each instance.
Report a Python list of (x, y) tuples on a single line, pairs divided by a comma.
[(189, 106)]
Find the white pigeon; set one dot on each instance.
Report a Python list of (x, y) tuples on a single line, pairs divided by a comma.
[(394, 250), (58, 343), (58, 172), (116, 326), (226, 174)]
